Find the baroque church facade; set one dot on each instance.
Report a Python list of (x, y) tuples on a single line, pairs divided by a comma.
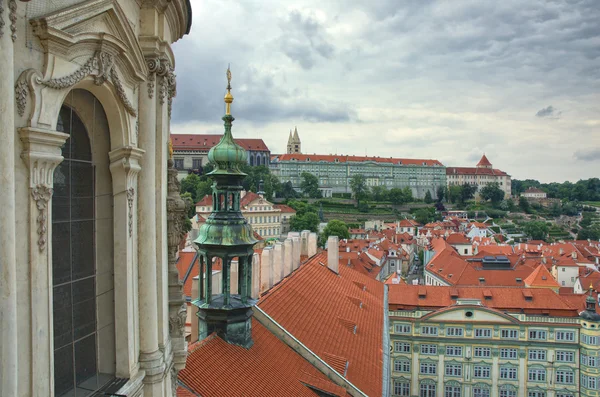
[(91, 216)]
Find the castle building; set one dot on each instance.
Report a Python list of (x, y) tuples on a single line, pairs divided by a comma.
[(190, 151), (294, 145), (336, 171), (481, 175), (88, 218), (491, 342)]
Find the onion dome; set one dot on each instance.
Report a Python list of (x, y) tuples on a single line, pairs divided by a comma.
[(227, 156)]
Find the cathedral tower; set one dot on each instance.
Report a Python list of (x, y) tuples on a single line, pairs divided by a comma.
[(224, 237), (294, 145)]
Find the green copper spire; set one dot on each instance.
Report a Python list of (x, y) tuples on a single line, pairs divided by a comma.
[(226, 237)]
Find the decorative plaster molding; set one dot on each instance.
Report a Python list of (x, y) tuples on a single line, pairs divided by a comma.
[(12, 6), (101, 66), (153, 65), (42, 154), (130, 196), (42, 195)]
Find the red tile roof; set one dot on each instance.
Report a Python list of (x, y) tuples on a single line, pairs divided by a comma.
[(534, 190), (361, 263), (216, 368), (541, 278), (309, 304), (474, 171), (347, 159), (284, 208), (458, 238), (406, 297), (195, 142), (484, 162)]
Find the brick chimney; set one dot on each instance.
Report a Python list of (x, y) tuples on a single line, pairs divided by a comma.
[(333, 254)]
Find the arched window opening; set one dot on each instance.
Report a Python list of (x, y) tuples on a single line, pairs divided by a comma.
[(82, 284), (252, 159)]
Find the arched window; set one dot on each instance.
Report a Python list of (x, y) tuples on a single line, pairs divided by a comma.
[(252, 159), (82, 281)]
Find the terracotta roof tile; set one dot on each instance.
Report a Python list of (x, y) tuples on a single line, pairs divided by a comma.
[(309, 303), (268, 368), (347, 159), (204, 142)]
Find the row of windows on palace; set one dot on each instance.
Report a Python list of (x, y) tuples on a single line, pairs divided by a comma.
[(268, 232), (533, 334), (427, 389), (178, 163), (366, 171), (508, 353)]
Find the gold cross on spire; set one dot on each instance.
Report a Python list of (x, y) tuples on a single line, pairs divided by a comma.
[(228, 96)]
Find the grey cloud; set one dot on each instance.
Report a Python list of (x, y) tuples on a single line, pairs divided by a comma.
[(548, 112), (304, 39), (587, 155)]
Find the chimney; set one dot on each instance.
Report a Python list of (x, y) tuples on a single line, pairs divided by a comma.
[(347, 249), (574, 254), (266, 273), (296, 250), (561, 251), (304, 240), (192, 310), (333, 254), (277, 262), (287, 256), (312, 244)]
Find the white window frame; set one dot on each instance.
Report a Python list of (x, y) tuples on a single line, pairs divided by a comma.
[(509, 373), (482, 371), (482, 350), (566, 336), (454, 350), (537, 354), (429, 349), (453, 369), (402, 328), (483, 333), (429, 330), (536, 375), (509, 353), (563, 355), (538, 334), (455, 331), (510, 334)]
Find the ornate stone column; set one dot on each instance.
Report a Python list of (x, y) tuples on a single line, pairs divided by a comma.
[(8, 278), (151, 358), (124, 167), (42, 154), (176, 218)]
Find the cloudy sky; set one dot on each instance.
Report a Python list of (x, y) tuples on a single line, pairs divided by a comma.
[(449, 80)]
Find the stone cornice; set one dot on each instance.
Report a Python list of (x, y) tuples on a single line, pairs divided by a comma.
[(41, 153)]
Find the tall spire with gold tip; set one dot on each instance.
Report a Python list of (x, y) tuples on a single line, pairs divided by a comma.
[(227, 237)]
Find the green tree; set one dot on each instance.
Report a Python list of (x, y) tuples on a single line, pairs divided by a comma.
[(407, 195), (454, 193), (302, 207), (467, 192), (556, 210), (310, 185), (203, 188), (524, 205), (396, 196), (288, 191), (335, 228), (428, 199), (536, 230), (380, 193), (591, 233), (308, 221), (492, 192), (441, 193), (425, 215), (192, 208), (189, 184), (358, 185)]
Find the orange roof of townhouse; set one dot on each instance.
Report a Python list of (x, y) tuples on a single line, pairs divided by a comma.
[(494, 250), (376, 253), (589, 277), (534, 190), (284, 208), (456, 270), (357, 231), (515, 300), (408, 223), (204, 142), (479, 225), (338, 317), (354, 159), (361, 263), (541, 278), (458, 238), (484, 240), (269, 368), (484, 162), (354, 244)]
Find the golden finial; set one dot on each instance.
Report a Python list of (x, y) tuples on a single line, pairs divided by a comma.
[(170, 149), (228, 96), (591, 286)]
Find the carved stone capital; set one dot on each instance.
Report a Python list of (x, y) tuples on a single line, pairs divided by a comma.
[(125, 166), (42, 154)]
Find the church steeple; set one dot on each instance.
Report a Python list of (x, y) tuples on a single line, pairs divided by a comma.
[(294, 145), (226, 236)]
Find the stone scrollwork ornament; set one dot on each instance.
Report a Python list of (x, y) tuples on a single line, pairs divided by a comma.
[(42, 194), (153, 66), (1, 18), (130, 196), (101, 66), (12, 6)]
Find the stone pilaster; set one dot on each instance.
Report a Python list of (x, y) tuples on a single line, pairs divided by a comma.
[(41, 154), (8, 276), (124, 168)]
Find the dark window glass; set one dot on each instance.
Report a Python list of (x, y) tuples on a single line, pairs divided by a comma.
[(73, 263)]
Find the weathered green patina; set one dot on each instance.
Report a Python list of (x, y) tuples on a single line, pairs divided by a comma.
[(227, 236)]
